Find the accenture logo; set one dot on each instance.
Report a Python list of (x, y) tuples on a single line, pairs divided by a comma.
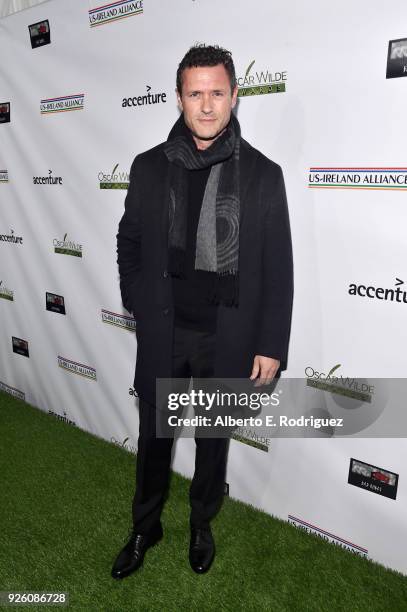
[(48, 180), (148, 98), (11, 238), (380, 293), (62, 417)]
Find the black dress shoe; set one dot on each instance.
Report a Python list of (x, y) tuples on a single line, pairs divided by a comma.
[(131, 556), (201, 549)]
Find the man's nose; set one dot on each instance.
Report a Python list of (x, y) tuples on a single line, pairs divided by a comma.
[(206, 104)]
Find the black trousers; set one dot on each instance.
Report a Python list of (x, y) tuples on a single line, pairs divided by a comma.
[(193, 355)]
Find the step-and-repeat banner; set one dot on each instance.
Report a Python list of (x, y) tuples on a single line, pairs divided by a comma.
[(83, 89)]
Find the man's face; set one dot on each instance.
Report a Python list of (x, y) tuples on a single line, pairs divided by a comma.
[(207, 102)]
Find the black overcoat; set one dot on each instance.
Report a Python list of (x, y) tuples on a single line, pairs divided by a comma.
[(260, 325)]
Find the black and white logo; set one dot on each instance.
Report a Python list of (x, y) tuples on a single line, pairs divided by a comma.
[(4, 112), (40, 34), (20, 346), (55, 303), (373, 478), (397, 58), (145, 99), (11, 237), (397, 294)]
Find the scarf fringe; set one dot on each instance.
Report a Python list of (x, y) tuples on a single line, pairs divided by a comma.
[(225, 290)]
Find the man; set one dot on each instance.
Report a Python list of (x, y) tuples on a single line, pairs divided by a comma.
[(205, 262)]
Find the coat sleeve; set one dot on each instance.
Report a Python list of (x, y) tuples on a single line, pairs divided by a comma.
[(129, 241), (277, 271)]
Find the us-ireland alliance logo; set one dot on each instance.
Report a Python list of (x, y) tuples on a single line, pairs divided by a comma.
[(113, 11), (62, 104), (77, 368), (119, 320)]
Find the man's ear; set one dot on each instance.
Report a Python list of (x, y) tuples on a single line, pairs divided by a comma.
[(234, 96), (179, 101)]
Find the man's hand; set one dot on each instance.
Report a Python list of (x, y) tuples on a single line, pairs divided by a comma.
[(266, 367)]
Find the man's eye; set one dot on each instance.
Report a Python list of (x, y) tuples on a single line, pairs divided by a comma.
[(218, 94), (194, 94)]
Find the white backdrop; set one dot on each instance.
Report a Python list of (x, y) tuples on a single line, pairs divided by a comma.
[(338, 110)]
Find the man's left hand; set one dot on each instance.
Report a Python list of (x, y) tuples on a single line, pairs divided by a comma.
[(265, 368)]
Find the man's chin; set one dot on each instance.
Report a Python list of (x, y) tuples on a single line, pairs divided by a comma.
[(207, 136)]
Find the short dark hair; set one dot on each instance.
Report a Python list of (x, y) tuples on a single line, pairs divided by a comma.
[(207, 55)]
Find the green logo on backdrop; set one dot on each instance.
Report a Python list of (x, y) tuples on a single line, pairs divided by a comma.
[(114, 180), (262, 82), (67, 247)]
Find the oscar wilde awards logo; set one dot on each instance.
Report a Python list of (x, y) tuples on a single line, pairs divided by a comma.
[(255, 83), (394, 179), (130, 448), (5, 293), (12, 391), (380, 293), (47, 180), (67, 247), (77, 368), (329, 537), (62, 104), (348, 404), (99, 15), (120, 320), (40, 34), (11, 238), (114, 180), (372, 478), (340, 385), (397, 58), (251, 438), (4, 112), (3, 176), (20, 346), (148, 98)]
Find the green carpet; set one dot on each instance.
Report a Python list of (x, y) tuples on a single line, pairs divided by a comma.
[(65, 513)]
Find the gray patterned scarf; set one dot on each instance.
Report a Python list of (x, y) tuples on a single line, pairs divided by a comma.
[(217, 240)]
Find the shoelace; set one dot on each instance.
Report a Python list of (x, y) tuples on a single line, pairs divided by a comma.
[(198, 537), (133, 537)]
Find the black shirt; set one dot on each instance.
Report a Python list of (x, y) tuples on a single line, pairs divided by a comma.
[(191, 295)]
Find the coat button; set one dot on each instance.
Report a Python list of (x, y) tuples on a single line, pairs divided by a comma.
[(165, 273), (166, 311)]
